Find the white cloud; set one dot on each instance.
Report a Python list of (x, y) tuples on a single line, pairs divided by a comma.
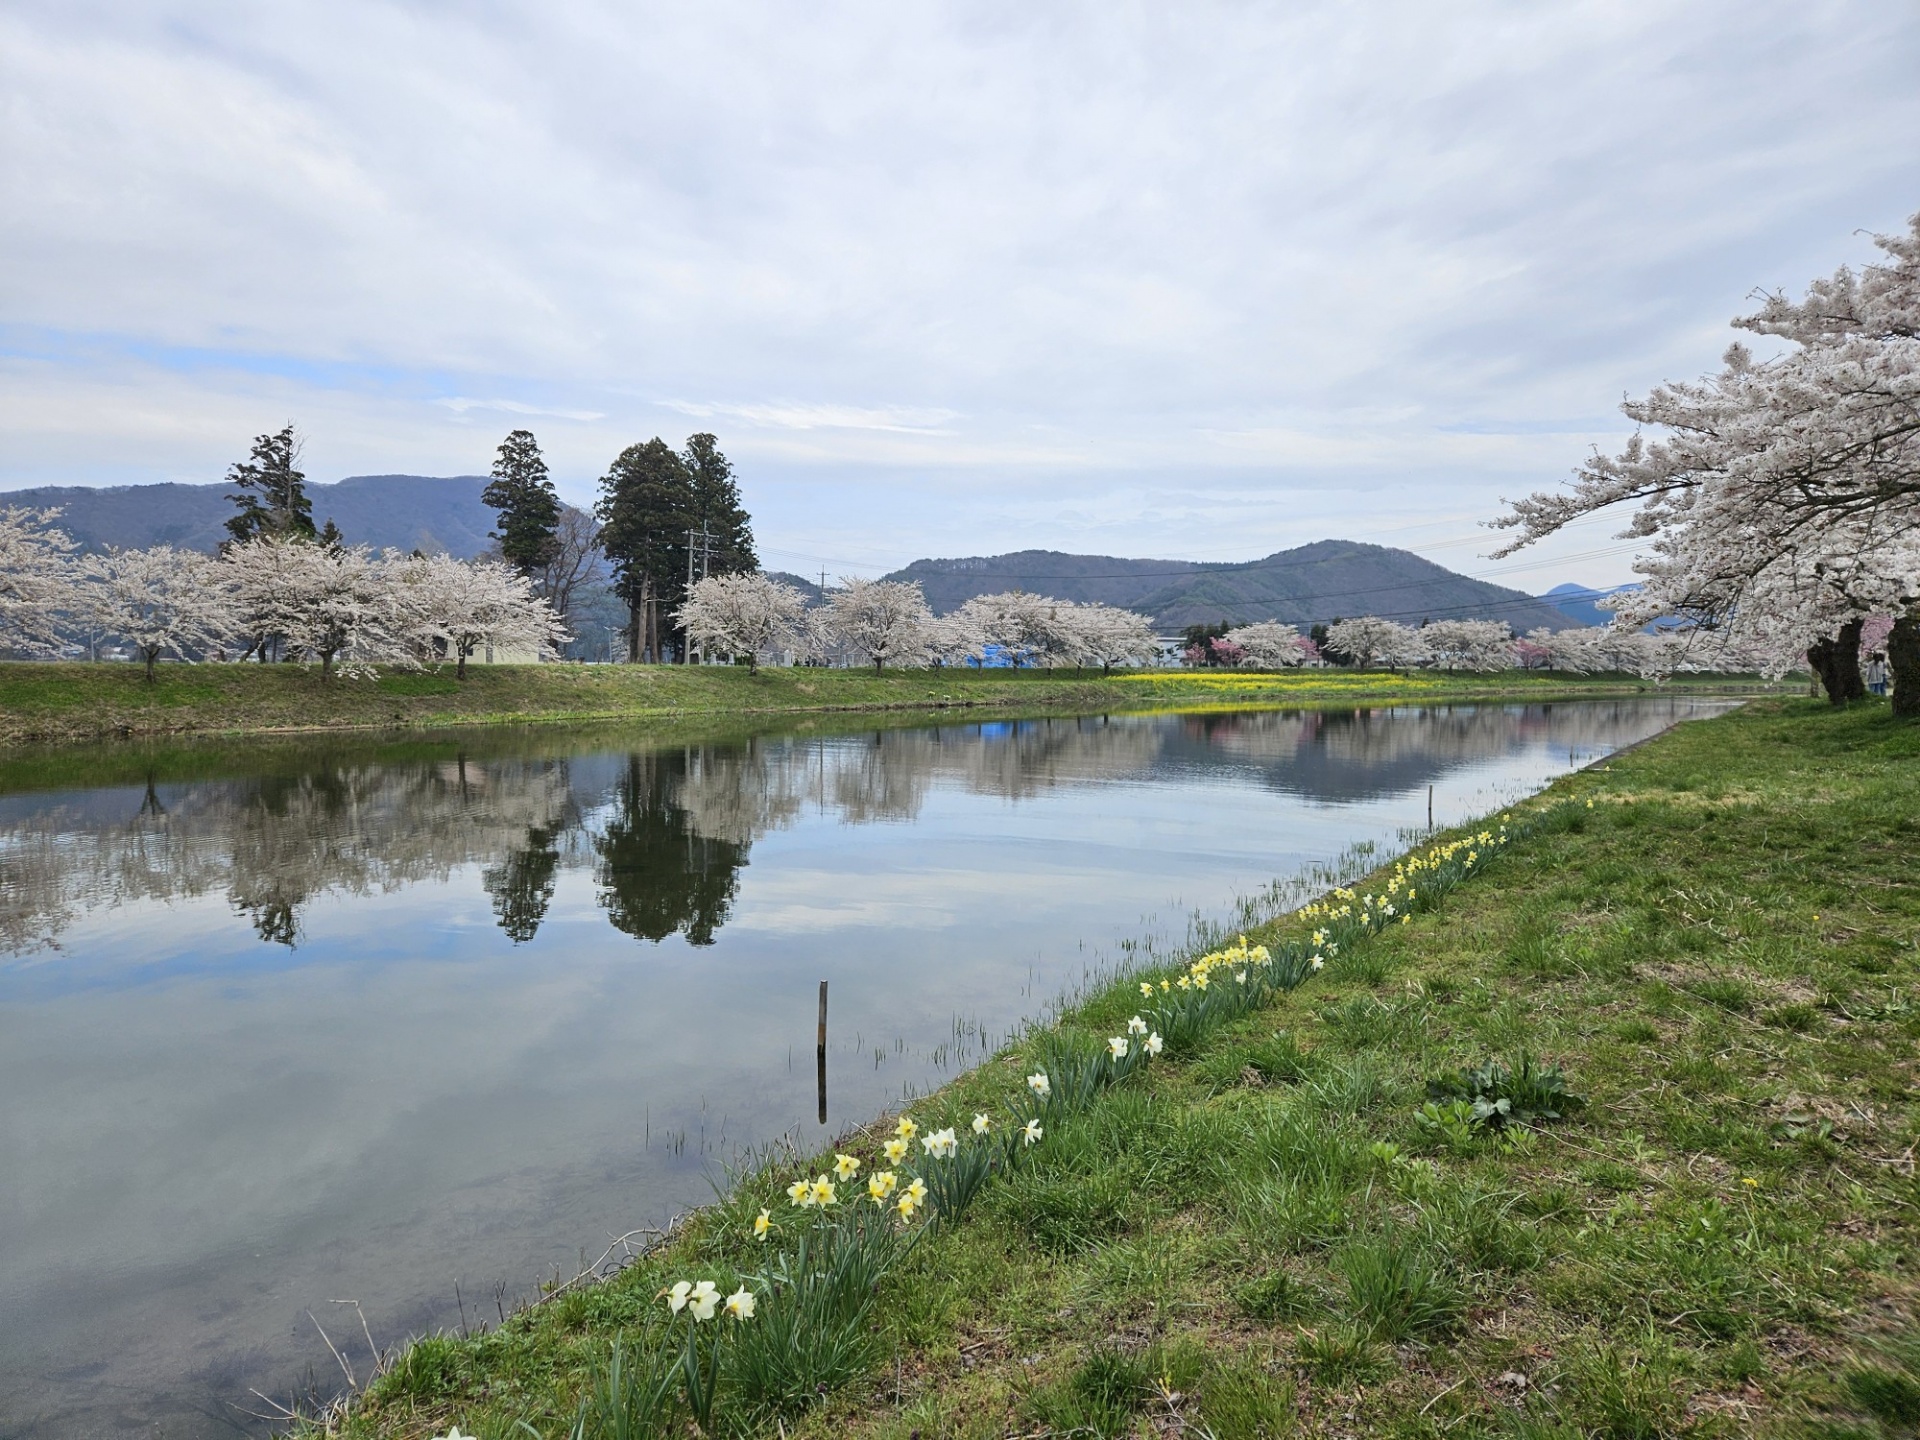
[(1078, 276)]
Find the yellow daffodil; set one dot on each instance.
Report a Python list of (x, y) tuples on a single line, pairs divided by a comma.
[(762, 1224), (981, 1123), (906, 1129), (917, 1188), (1146, 988), (823, 1191), (700, 1303), (801, 1192), (896, 1151), (1032, 1133), (1136, 1026), (906, 1205), (740, 1304), (845, 1166), (880, 1186), (1163, 987)]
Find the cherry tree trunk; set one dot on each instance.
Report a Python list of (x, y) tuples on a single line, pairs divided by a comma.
[(1836, 660), (1903, 660)]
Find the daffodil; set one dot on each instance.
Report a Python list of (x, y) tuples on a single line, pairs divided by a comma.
[(1136, 1026), (1032, 1133), (917, 1188), (1154, 1044), (941, 1144), (906, 1204), (677, 1296), (880, 1185), (1163, 986), (762, 1224), (1146, 988), (906, 1129), (801, 1192), (1117, 1047), (845, 1166), (1039, 1084), (454, 1434), (740, 1304), (981, 1124), (700, 1303), (823, 1191), (1318, 963), (896, 1151)]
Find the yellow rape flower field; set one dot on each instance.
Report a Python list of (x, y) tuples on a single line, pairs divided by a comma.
[(1594, 1119)]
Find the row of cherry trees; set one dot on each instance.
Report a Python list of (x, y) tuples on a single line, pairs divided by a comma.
[(270, 597), (888, 622), (1782, 495)]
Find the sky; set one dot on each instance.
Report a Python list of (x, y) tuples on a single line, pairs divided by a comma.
[(1201, 281)]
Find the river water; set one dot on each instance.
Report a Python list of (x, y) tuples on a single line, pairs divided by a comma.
[(419, 1025)]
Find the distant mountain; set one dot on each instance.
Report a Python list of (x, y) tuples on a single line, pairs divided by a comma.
[(1327, 580), (408, 512), (1581, 602)]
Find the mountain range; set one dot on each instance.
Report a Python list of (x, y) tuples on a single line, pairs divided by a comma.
[(1310, 583)]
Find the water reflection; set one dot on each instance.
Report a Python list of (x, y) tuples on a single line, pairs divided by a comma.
[(666, 832)]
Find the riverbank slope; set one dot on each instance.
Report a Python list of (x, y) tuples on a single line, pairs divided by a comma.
[(75, 701), (1270, 1232)]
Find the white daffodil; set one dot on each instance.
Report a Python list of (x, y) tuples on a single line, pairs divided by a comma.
[(762, 1224), (1117, 1047), (981, 1123), (700, 1303), (677, 1296), (1032, 1133), (1136, 1026), (740, 1304), (941, 1144), (1039, 1084), (1155, 1044), (1318, 963)]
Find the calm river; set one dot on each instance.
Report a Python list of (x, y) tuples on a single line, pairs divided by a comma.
[(421, 1025)]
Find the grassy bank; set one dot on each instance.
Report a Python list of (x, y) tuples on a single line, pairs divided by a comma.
[(75, 701), (1274, 1229)]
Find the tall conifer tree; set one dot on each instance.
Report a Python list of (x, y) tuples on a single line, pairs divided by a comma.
[(528, 507), (272, 494)]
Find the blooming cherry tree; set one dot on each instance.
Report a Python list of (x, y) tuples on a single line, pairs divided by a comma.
[(1370, 641), (463, 605), (36, 580), (1469, 644), (882, 620), (161, 601), (1269, 645), (743, 615), (325, 603)]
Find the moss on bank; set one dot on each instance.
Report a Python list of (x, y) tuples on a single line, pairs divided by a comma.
[(63, 702), (1264, 1236)]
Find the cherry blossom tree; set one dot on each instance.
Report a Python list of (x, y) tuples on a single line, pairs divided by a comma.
[(1371, 641), (1782, 494), (439, 601), (325, 603), (743, 615), (882, 620), (1469, 644), (161, 601), (1108, 636), (36, 580), (1269, 645)]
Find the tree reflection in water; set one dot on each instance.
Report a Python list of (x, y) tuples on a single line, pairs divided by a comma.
[(664, 834), (659, 876)]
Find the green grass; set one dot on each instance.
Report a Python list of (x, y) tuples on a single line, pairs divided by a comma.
[(1261, 1237), (77, 701)]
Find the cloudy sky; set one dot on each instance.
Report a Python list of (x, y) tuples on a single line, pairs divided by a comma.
[(1199, 281)]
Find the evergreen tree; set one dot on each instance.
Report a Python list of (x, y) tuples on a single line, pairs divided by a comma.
[(524, 497), (646, 509), (726, 529), (273, 495)]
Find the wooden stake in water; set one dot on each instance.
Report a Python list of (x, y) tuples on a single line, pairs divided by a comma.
[(820, 1054), (1429, 809)]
